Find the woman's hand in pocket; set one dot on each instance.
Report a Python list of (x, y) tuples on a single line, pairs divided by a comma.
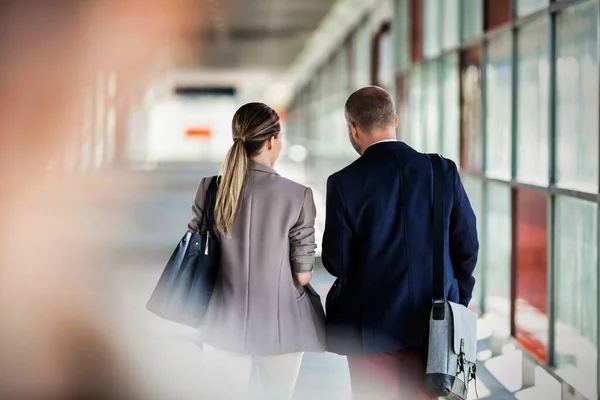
[(303, 278)]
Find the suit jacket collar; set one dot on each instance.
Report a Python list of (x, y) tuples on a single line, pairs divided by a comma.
[(256, 166), (378, 148)]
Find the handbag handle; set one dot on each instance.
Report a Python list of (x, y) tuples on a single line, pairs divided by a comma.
[(210, 201), (438, 231)]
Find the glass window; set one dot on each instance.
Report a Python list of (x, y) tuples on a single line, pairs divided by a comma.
[(577, 98), (498, 107), (531, 291), (525, 7), (472, 18), (385, 62), (450, 108), (498, 245), (532, 103), (474, 188), (431, 28), (451, 15), (497, 13), (342, 71), (576, 293), (415, 132), (402, 102), (402, 34), (471, 113), (362, 58), (431, 114)]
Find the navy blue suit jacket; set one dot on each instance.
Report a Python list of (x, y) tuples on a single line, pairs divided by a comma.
[(378, 243)]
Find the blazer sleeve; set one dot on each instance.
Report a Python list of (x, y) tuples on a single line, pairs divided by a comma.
[(337, 237), (197, 224), (464, 245), (302, 236)]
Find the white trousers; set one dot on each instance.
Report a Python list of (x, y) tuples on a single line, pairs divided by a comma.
[(230, 374)]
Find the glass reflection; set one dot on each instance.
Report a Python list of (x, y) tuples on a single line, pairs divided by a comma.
[(471, 124), (474, 188), (451, 108), (402, 35), (431, 117), (385, 63), (531, 303), (451, 15), (498, 257), (525, 7), (499, 113), (415, 134), (533, 101), (577, 98), (576, 293), (431, 28), (472, 18), (362, 57)]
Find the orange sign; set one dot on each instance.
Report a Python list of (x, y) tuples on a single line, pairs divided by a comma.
[(281, 114), (198, 132)]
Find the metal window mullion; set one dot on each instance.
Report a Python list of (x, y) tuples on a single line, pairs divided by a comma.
[(513, 205), (483, 249), (461, 19), (514, 101), (552, 197), (484, 207), (598, 228), (441, 92), (484, 106)]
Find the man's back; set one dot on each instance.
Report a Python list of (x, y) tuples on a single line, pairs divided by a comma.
[(378, 243)]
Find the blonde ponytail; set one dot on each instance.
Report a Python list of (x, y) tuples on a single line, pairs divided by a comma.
[(233, 181), (253, 124)]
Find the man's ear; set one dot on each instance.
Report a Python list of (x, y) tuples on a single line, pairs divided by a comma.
[(353, 129), (396, 121)]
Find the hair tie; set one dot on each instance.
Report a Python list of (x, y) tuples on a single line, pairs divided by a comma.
[(241, 138)]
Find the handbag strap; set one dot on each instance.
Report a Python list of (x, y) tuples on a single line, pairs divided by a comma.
[(210, 201), (438, 227)]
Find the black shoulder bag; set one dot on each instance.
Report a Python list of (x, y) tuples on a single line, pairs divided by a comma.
[(451, 360), (186, 284)]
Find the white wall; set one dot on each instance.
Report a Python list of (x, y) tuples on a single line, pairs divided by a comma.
[(158, 125), (170, 118)]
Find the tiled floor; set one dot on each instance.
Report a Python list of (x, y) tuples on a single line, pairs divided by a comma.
[(168, 361)]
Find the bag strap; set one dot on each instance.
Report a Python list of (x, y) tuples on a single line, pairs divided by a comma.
[(210, 201), (438, 227)]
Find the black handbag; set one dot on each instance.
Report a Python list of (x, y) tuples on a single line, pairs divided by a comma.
[(186, 284)]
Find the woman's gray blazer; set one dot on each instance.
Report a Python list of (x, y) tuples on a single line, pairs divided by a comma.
[(256, 307)]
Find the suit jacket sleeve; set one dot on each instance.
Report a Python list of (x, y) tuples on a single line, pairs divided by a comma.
[(197, 224), (302, 236), (464, 245), (337, 238)]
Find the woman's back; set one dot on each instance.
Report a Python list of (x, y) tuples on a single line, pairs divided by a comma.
[(257, 307)]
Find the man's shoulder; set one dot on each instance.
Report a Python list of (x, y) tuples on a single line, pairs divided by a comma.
[(447, 163), (348, 170)]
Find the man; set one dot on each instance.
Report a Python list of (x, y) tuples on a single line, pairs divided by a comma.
[(378, 243)]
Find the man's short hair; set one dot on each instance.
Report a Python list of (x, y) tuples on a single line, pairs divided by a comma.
[(370, 108)]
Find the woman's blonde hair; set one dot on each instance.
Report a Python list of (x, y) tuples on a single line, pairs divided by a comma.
[(253, 124)]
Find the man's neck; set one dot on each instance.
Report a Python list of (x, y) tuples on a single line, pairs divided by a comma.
[(381, 138)]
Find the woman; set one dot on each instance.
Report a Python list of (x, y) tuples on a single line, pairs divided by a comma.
[(259, 316)]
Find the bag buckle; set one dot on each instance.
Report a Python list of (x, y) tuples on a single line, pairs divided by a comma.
[(439, 310)]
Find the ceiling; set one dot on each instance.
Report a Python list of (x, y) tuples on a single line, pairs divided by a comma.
[(257, 33)]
